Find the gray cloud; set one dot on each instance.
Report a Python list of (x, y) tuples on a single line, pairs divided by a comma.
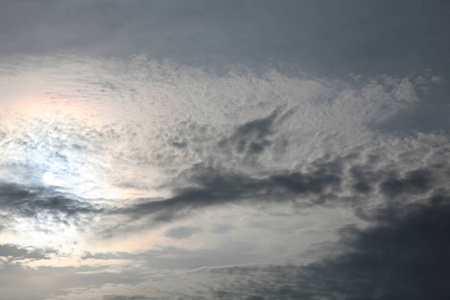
[(14, 253), (56, 280), (414, 182), (258, 156), (250, 140), (211, 186), (402, 255), (31, 202), (322, 184), (198, 134), (118, 297), (182, 232), (321, 36)]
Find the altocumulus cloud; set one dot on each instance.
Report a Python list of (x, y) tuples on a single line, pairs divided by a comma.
[(150, 158), (254, 150)]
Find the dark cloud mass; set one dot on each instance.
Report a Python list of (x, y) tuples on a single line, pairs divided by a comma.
[(321, 184), (405, 256), (415, 182), (212, 186)]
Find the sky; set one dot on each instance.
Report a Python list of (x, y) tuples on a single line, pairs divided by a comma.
[(224, 150)]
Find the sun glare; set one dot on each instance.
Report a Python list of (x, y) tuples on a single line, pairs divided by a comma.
[(49, 178)]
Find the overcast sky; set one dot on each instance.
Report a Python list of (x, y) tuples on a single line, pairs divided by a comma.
[(224, 150)]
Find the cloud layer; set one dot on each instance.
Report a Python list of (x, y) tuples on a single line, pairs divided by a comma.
[(221, 185)]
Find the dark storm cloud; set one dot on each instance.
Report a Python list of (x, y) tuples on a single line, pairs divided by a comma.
[(30, 201), (403, 255)]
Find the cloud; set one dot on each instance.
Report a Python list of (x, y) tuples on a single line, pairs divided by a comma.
[(219, 35), (18, 282), (209, 186), (402, 255), (250, 140), (13, 253), (324, 182), (150, 156), (29, 201), (117, 297), (40, 217), (414, 182), (182, 232)]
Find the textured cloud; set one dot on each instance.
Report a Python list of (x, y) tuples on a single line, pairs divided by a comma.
[(269, 150), (143, 115), (326, 182), (161, 169)]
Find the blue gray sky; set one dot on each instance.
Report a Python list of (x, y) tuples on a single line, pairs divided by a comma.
[(224, 150)]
